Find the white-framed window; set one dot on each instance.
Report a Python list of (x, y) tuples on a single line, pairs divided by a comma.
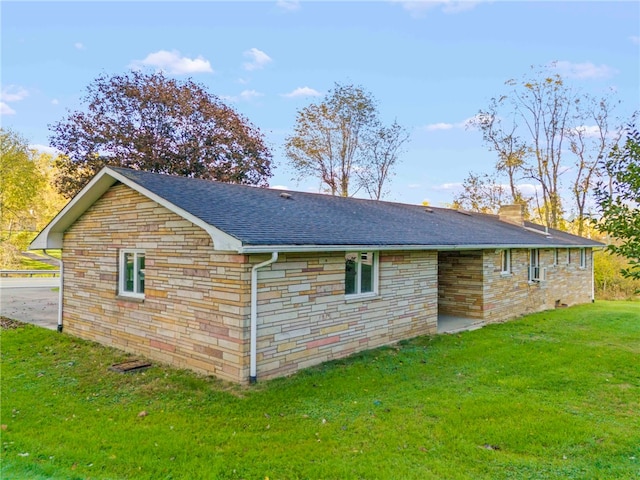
[(361, 273), (568, 256), (505, 262), (583, 258), (131, 273), (536, 273), (555, 257)]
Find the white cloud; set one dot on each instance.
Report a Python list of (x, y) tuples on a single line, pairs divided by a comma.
[(414, 185), (79, 46), (249, 95), (449, 186), (45, 149), (171, 62), (13, 93), (288, 5), (302, 92), (245, 96), (6, 109), (529, 189), (583, 70), (55, 101), (418, 8), (439, 126), (9, 94), (280, 187), (258, 59), (589, 131), (635, 39)]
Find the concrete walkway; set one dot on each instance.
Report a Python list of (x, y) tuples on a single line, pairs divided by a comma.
[(451, 324), (32, 300)]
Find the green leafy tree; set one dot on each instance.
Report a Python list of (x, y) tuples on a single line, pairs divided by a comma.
[(150, 122), (28, 200), (341, 141), (20, 181), (619, 201)]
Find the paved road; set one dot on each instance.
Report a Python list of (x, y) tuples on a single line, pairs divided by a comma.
[(33, 300)]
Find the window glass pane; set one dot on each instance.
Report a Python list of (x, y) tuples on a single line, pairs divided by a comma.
[(140, 258), (506, 260), (350, 273), (366, 272), (128, 269)]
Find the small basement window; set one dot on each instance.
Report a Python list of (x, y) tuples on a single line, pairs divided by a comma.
[(361, 273), (131, 273)]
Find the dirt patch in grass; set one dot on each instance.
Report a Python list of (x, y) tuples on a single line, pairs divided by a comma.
[(9, 324)]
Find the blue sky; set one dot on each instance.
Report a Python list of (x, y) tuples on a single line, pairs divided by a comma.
[(430, 65)]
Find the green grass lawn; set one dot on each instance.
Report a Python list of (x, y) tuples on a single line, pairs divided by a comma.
[(554, 395)]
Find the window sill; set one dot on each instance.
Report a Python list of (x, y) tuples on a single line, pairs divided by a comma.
[(360, 297), (506, 274), (127, 298)]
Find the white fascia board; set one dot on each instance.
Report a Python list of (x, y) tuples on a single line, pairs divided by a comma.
[(249, 249), (51, 236)]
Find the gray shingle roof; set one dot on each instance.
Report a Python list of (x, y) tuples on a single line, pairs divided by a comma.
[(262, 216)]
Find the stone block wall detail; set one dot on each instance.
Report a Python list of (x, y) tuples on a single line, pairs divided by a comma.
[(460, 288), (510, 295), (305, 319), (471, 283), (196, 299)]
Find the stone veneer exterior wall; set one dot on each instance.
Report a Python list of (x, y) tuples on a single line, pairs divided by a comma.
[(305, 319), (196, 299), (510, 295), (460, 287), (196, 310), (471, 283)]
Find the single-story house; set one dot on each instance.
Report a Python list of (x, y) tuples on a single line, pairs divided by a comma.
[(240, 282)]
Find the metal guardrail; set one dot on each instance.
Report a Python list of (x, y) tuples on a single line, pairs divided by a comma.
[(30, 273)]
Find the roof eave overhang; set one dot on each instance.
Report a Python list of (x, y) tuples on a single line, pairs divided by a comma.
[(52, 235), (251, 249)]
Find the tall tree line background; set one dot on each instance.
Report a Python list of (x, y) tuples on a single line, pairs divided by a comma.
[(553, 145)]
